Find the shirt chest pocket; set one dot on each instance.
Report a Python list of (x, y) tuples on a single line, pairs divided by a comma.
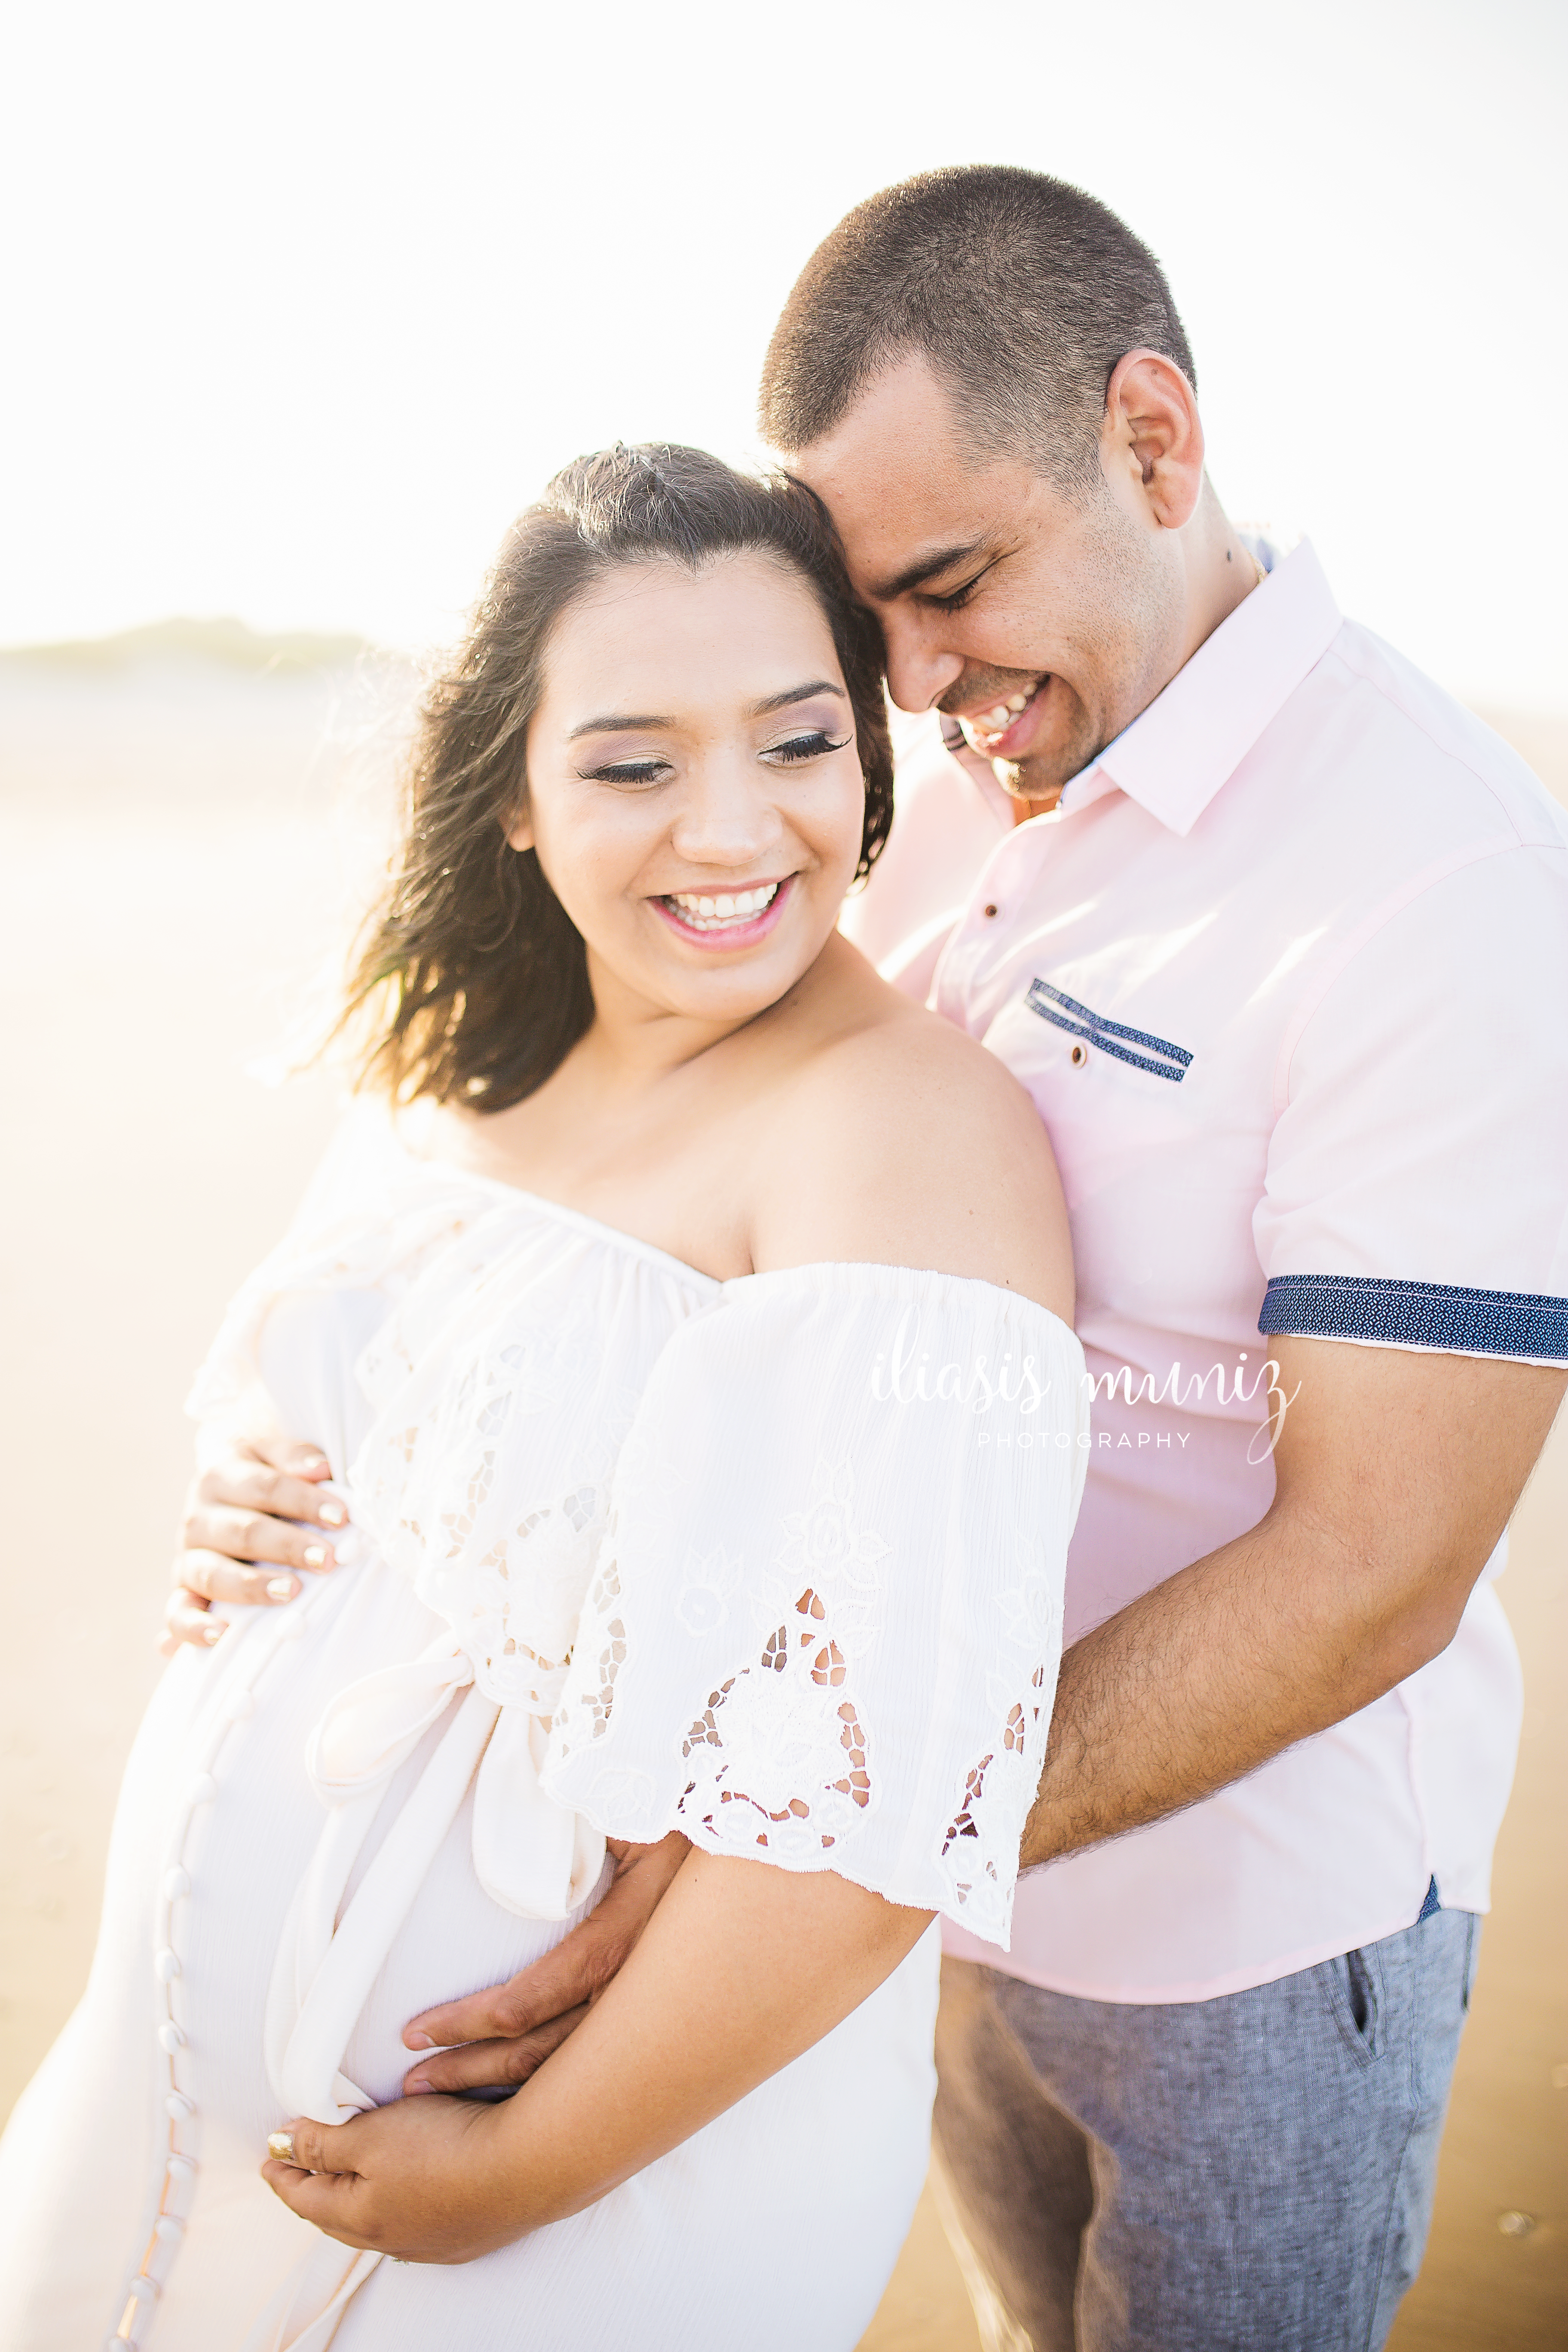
[(1092, 1033)]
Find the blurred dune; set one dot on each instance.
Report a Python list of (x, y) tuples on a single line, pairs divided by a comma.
[(188, 813), (230, 644)]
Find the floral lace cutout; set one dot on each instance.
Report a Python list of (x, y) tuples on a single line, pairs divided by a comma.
[(1032, 1613), (612, 1656), (784, 1773), (507, 1561)]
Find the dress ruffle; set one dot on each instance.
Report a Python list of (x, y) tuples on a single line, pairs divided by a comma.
[(777, 1562)]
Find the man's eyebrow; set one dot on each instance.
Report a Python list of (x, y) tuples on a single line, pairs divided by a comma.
[(617, 722), (926, 568)]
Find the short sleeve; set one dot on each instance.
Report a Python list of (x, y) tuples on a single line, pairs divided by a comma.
[(1416, 1190), (825, 1620)]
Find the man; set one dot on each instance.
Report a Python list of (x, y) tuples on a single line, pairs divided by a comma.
[(1282, 959)]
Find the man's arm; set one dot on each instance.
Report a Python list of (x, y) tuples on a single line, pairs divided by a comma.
[(1396, 1473)]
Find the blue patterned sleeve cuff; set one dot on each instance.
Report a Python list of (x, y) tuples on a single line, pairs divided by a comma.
[(1523, 1323)]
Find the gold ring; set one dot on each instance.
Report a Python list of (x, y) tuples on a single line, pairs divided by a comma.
[(281, 2145)]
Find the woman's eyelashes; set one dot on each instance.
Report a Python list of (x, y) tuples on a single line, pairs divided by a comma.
[(811, 745), (637, 775)]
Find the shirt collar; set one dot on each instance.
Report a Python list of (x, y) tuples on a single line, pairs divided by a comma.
[(1193, 736)]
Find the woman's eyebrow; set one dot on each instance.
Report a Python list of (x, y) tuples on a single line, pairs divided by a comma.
[(793, 693), (617, 722)]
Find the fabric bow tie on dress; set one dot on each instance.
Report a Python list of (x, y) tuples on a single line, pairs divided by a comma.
[(530, 1856)]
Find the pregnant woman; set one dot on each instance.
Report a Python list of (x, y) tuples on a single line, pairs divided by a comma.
[(689, 1329)]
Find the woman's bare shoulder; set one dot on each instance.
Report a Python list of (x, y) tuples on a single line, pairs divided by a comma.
[(902, 1141)]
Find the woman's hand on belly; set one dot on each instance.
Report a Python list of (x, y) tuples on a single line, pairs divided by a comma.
[(741, 1968), (423, 2180)]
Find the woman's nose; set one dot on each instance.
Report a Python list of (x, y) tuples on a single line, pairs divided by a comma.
[(725, 820)]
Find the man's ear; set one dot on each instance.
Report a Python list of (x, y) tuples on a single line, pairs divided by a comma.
[(1151, 443)]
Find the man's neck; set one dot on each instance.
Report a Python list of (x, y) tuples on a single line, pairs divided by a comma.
[(1221, 572)]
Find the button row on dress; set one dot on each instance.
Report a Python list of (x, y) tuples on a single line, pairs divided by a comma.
[(169, 2229)]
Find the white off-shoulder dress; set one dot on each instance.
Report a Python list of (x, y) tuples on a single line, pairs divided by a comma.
[(775, 1563)]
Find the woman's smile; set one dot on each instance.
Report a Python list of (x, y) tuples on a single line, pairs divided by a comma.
[(725, 919)]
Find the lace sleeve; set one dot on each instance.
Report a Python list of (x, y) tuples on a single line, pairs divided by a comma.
[(825, 1618)]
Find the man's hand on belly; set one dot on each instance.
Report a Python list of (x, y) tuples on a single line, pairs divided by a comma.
[(255, 1520), (506, 2032)]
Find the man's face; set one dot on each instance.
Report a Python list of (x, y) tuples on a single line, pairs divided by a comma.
[(1043, 623)]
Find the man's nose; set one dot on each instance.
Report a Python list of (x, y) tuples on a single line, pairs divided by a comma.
[(919, 672)]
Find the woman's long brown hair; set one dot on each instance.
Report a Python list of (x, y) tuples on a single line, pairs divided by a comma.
[(472, 976)]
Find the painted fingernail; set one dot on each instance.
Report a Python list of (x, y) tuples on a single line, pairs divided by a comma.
[(316, 1555), (332, 1514), (213, 1635), (280, 1588), (281, 2145), (414, 2039), (310, 1459)]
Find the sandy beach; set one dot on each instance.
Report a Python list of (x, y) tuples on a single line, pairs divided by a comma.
[(181, 835)]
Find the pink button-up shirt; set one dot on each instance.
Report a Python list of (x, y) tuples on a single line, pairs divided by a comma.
[(1286, 973)]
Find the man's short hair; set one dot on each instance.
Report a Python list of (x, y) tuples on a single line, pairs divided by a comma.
[(1021, 292)]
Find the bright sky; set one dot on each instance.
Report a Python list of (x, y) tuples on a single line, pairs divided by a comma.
[(303, 301)]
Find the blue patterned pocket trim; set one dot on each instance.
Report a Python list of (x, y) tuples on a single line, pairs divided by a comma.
[(1418, 1314), (1044, 1000)]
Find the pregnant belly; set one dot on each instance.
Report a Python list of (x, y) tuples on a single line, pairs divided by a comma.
[(227, 1741)]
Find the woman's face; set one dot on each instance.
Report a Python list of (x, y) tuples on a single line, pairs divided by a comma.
[(694, 790)]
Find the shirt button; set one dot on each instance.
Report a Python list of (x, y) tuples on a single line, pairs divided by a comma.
[(991, 911), (1078, 1056)]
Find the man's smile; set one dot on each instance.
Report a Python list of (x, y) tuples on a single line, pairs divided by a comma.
[(1003, 729)]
